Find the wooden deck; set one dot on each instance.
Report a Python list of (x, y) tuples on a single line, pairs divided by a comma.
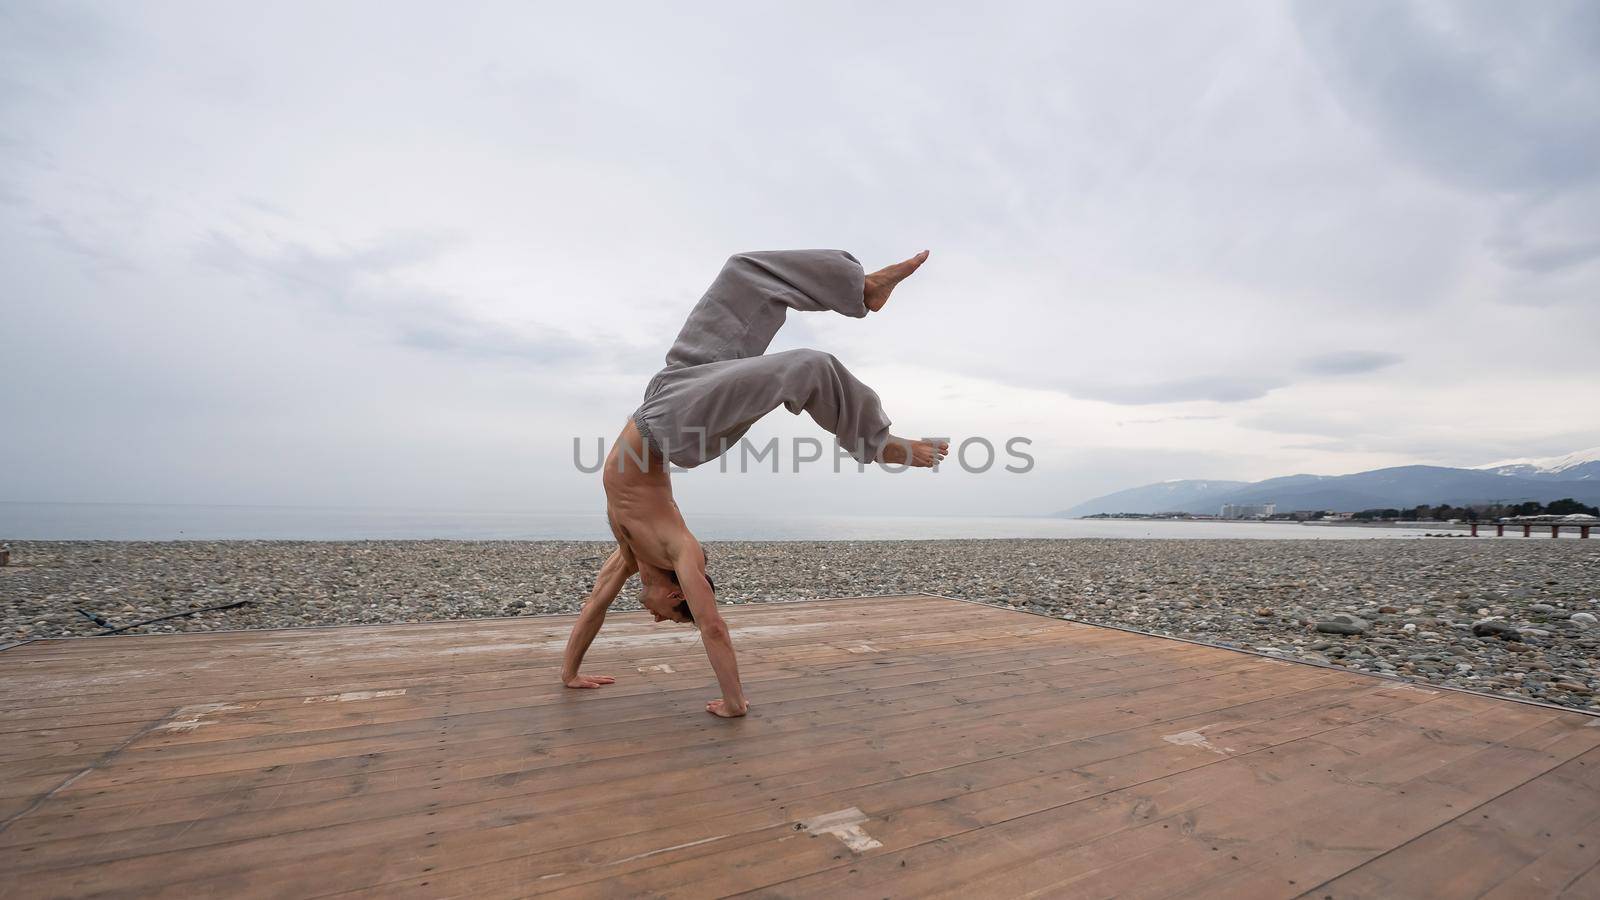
[(904, 747)]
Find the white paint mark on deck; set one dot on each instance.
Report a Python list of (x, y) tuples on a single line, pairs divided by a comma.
[(628, 859), (1411, 689), (348, 696), (863, 648), (1196, 739), (661, 668), (188, 718), (844, 824)]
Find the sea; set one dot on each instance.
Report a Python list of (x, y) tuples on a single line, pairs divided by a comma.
[(161, 522)]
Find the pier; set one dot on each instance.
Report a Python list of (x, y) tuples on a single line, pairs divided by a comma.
[(1527, 528)]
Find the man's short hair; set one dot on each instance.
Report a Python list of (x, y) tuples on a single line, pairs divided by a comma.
[(682, 608)]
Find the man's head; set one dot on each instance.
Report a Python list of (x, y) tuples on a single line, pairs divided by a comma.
[(663, 596), (682, 609)]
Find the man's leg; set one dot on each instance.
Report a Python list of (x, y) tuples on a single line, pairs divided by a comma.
[(688, 414), (701, 412), (747, 303)]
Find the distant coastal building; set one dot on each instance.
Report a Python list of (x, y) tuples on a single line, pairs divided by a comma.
[(1248, 511)]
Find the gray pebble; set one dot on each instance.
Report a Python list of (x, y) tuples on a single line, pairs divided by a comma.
[(1343, 624)]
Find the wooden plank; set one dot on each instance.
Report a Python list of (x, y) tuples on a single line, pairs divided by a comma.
[(586, 782), (275, 718), (460, 644), (149, 675), (562, 697), (930, 828), (914, 782), (581, 746), (538, 685), (578, 811), (370, 764), (577, 710), (1535, 840), (1280, 847), (1110, 836)]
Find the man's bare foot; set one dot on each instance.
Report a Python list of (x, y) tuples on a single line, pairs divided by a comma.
[(881, 282), (918, 454)]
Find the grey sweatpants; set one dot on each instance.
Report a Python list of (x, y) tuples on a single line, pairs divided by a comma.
[(717, 383)]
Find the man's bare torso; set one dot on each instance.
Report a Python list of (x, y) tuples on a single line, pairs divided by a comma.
[(644, 517)]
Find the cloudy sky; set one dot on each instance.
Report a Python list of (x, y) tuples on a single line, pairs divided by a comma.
[(402, 254)]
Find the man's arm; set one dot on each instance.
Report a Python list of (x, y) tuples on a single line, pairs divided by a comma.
[(618, 568), (713, 634)]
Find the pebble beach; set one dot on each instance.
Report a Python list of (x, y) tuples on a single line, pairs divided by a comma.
[(1513, 617)]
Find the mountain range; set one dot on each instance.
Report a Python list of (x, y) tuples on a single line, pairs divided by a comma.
[(1583, 465), (1576, 475)]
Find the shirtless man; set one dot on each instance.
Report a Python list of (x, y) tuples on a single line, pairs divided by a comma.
[(717, 383)]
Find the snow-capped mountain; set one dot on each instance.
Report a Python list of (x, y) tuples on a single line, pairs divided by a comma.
[(1575, 475), (1583, 465)]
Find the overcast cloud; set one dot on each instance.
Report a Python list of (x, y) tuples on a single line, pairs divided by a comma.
[(402, 254)]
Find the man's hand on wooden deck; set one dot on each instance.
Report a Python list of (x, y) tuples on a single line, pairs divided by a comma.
[(587, 681)]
